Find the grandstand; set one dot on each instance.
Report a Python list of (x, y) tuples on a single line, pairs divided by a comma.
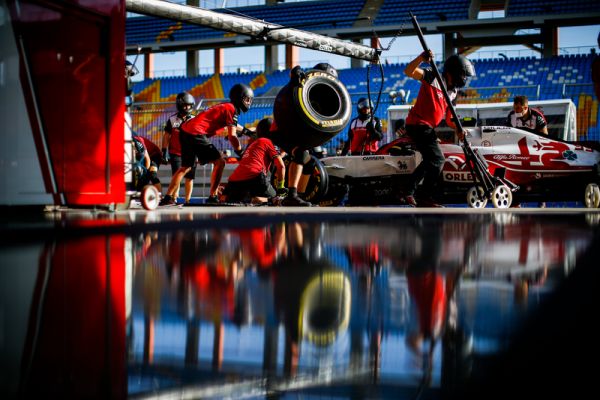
[(497, 80)]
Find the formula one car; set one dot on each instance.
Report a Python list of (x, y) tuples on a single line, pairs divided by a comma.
[(527, 166)]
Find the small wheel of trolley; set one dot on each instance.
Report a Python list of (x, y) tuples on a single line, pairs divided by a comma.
[(476, 197), (150, 197), (501, 196), (592, 196)]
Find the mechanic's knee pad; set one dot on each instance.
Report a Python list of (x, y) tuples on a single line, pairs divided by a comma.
[(300, 156)]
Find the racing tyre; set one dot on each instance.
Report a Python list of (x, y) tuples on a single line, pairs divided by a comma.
[(501, 197), (336, 193), (150, 197), (476, 197), (592, 196), (318, 182), (312, 113)]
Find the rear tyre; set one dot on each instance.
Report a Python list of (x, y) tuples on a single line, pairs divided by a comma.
[(592, 196)]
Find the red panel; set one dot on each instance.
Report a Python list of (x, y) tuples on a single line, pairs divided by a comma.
[(80, 322), (76, 59)]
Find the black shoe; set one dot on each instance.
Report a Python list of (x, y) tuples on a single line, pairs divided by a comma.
[(167, 201), (295, 201), (212, 200)]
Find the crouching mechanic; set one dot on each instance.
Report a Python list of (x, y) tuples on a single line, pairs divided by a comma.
[(249, 181), (146, 168), (194, 134)]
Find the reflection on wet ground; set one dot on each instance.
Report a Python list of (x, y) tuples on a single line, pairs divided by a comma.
[(407, 306)]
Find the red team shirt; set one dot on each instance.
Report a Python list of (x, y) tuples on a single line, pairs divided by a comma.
[(430, 107), (360, 137), (256, 159), (211, 120)]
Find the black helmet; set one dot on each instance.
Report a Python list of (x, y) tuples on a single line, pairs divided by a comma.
[(264, 127), (363, 103), (183, 100), (240, 92), (326, 68), (459, 68)]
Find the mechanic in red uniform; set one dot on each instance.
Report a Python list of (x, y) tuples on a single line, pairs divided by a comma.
[(195, 144), (146, 168), (171, 146), (426, 114), (365, 131), (525, 117), (249, 181)]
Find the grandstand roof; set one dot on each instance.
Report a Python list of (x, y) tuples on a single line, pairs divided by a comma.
[(435, 16)]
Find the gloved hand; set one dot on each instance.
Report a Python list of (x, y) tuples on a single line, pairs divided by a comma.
[(239, 152), (165, 156), (247, 132)]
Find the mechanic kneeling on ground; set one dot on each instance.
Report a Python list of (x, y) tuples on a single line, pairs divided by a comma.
[(249, 182)]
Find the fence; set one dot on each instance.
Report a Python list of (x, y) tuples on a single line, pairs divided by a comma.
[(149, 119)]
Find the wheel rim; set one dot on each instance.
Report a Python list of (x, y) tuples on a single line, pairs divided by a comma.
[(501, 197), (592, 196), (476, 197), (150, 198)]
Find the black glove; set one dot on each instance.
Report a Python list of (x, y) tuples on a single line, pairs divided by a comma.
[(374, 133), (297, 75), (165, 156), (239, 152)]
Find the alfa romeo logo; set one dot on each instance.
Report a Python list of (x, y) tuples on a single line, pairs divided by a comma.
[(569, 155)]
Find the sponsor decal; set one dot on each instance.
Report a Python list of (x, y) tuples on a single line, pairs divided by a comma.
[(300, 43), (402, 165), (373, 158), (509, 157), (486, 143), (569, 155), (326, 47), (331, 123), (458, 177)]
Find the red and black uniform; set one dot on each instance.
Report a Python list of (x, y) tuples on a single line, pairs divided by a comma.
[(249, 179), (153, 150), (144, 176), (360, 139), (195, 132), (172, 127), (429, 110), (534, 122)]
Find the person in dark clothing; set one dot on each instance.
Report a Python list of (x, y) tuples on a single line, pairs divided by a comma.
[(365, 131), (426, 114), (146, 166)]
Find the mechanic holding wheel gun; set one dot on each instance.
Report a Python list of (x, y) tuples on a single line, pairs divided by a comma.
[(426, 114)]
